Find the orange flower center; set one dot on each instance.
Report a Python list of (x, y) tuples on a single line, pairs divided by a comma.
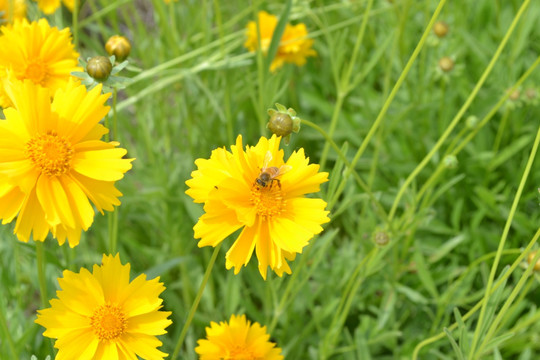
[(241, 353), (108, 322), (268, 200), (50, 153), (36, 71)]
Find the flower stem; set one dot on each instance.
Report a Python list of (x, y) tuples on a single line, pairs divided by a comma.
[(7, 334), (40, 259), (195, 304), (75, 23), (480, 324), (113, 217)]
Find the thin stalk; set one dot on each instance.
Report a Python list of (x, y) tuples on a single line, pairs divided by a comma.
[(361, 183), (10, 11), (343, 87), (195, 304), (5, 330), (460, 113), (113, 217), (515, 292), (475, 308), (394, 91), (40, 260), (513, 209), (75, 23)]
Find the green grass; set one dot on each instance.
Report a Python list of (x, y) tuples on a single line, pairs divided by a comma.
[(452, 281)]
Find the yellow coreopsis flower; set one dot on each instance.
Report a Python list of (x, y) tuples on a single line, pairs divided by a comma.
[(103, 316), (36, 52), (53, 163), (257, 191), (237, 340), (18, 12), (48, 6), (294, 45)]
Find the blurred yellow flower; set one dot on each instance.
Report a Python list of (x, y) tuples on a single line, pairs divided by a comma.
[(294, 45), (102, 315), (48, 6), (52, 161), (236, 340), (70, 4), (18, 13), (37, 52), (257, 191)]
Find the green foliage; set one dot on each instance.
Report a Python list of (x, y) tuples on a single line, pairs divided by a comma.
[(193, 88)]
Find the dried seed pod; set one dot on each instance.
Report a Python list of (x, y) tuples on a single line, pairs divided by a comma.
[(99, 67), (119, 46)]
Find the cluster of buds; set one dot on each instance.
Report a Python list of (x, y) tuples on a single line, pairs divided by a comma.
[(102, 69), (283, 122)]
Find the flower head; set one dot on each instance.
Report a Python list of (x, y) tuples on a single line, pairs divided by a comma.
[(37, 52), (294, 46), (18, 11), (238, 339), (48, 6), (256, 191), (53, 163), (102, 315), (119, 46)]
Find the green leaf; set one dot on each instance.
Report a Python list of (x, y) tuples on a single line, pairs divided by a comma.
[(278, 33)]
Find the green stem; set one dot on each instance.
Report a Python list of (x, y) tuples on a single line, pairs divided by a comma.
[(11, 11), (394, 91), (361, 183), (475, 308), (75, 23), (113, 217), (458, 116), (504, 309), (500, 131), (40, 258), (5, 330), (491, 278), (195, 304), (343, 87)]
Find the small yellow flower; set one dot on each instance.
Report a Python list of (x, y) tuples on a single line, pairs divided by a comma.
[(53, 163), (237, 340), (37, 52), (18, 13), (48, 6), (256, 191), (70, 4), (103, 316), (294, 46)]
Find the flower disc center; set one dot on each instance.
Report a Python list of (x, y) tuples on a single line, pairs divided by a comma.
[(268, 200), (108, 322), (50, 153), (36, 71), (241, 353)]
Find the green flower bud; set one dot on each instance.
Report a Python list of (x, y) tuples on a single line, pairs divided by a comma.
[(450, 162), (119, 46), (99, 67), (446, 64)]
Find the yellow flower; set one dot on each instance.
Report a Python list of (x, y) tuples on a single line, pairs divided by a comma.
[(70, 4), (52, 161), (18, 13), (294, 45), (48, 6), (102, 315), (37, 52), (277, 220), (237, 340)]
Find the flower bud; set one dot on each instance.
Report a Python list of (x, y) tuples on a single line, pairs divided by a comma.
[(530, 258), (471, 121), (446, 64), (99, 67), (450, 162), (280, 124), (118, 46), (531, 94), (381, 238), (440, 29)]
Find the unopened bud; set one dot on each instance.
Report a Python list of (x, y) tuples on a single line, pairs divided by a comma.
[(471, 121), (450, 162), (530, 258), (440, 29), (119, 46), (99, 67), (446, 64), (381, 238)]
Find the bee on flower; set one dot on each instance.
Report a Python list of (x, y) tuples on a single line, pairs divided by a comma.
[(256, 191)]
